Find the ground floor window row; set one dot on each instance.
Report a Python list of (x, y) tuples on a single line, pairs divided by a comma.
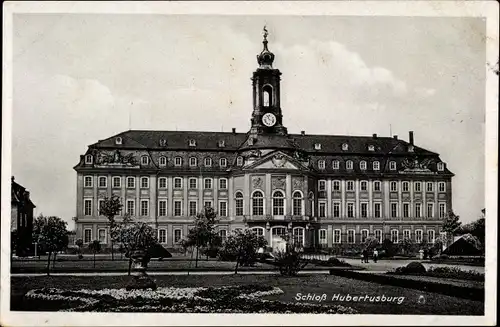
[(350, 236)]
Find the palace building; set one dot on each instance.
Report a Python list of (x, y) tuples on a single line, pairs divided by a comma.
[(329, 191)]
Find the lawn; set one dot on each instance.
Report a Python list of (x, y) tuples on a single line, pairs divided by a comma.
[(415, 302)]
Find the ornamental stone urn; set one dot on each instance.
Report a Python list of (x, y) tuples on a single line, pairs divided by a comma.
[(140, 280)]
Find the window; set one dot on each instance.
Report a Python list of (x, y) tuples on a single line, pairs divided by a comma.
[(350, 185), (430, 210), (394, 186), (363, 185), (406, 210), (177, 182), (222, 208), (418, 187), (89, 159), (345, 146), (442, 210), (376, 165), (222, 183), (322, 237), (371, 148), (430, 187), (336, 209), (102, 236), (392, 165), (406, 234), (207, 204), (130, 182), (431, 236), (208, 162), (163, 161), (362, 165), (297, 203), (223, 162), (442, 186), (87, 235), (376, 186), (348, 164), (322, 185), (117, 182), (162, 208), (364, 235), (377, 208), (418, 236), (193, 162), (322, 210), (239, 203), (100, 204), (177, 235), (350, 236), (257, 203), (87, 207), (278, 203), (118, 140), (162, 236), (208, 183), (177, 161), (193, 208), (259, 231), (144, 208), (192, 142), (321, 164), (222, 143), (131, 207), (335, 164), (298, 236), (350, 210), (317, 146), (406, 186), (364, 209), (394, 209), (394, 236), (103, 181), (223, 234), (418, 210), (162, 182), (336, 185), (193, 183), (88, 181), (177, 208), (144, 182), (144, 160), (440, 166), (378, 235), (267, 95), (337, 236), (239, 161)]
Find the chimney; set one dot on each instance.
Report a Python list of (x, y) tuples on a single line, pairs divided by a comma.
[(234, 130), (395, 137), (374, 136), (411, 137), (12, 178), (302, 132)]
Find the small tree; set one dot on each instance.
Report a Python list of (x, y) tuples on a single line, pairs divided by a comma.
[(203, 233), (51, 234), (110, 208), (371, 243), (95, 247), (407, 245), (388, 247), (242, 247), (137, 236), (79, 243)]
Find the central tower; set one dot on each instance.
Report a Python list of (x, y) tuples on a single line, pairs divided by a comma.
[(266, 116)]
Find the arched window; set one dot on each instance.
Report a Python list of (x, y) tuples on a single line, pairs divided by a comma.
[(238, 200), (362, 165), (163, 161), (208, 162), (193, 162), (297, 203), (267, 95), (258, 203), (348, 164), (278, 203), (239, 161)]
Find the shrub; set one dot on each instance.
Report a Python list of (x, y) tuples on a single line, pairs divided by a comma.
[(334, 262), (455, 273), (289, 262), (415, 267), (242, 247)]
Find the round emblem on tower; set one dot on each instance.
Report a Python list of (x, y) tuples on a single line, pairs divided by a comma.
[(269, 119)]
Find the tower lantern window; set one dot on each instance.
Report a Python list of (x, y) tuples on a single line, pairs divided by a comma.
[(267, 95)]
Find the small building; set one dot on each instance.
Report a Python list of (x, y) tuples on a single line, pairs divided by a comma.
[(465, 245), (21, 218)]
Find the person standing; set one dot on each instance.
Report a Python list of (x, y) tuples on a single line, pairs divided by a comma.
[(375, 255), (363, 256)]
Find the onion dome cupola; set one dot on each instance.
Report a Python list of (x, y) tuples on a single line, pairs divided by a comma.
[(266, 57)]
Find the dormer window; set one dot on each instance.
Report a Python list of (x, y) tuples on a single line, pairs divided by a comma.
[(362, 165), (250, 141), (89, 159), (440, 166), (239, 161), (163, 161), (321, 164), (222, 143), (192, 142), (411, 148), (317, 146), (163, 142), (345, 147), (392, 165), (118, 141), (348, 164), (144, 160), (371, 148)]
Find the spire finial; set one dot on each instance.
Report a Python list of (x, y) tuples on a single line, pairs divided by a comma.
[(265, 33)]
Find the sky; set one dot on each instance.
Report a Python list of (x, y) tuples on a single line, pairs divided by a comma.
[(79, 78)]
